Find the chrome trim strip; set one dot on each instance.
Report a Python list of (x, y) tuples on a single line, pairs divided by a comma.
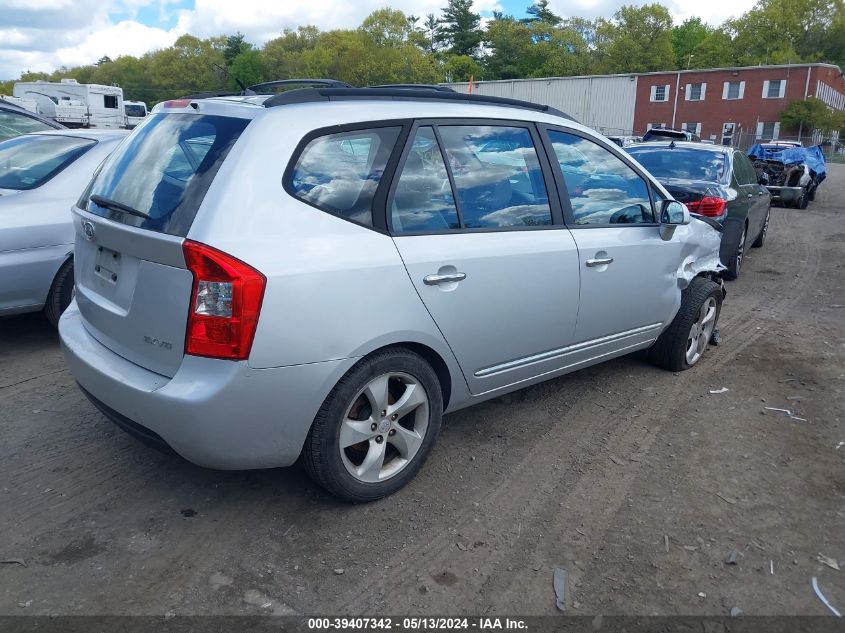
[(563, 351)]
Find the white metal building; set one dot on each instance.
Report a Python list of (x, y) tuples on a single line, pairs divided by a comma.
[(603, 102)]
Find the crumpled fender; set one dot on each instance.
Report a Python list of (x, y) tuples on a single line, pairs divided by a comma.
[(700, 243)]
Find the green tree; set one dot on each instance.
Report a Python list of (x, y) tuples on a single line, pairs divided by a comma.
[(248, 68), (235, 45), (685, 38), (714, 51), (460, 28), (462, 68), (387, 27), (812, 114), (540, 12), (638, 39)]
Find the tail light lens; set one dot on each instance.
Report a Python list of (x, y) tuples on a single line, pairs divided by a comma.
[(709, 205), (225, 303)]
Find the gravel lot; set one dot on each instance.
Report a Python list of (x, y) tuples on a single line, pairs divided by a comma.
[(597, 472)]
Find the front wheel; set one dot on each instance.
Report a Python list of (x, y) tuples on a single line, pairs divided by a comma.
[(376, 428), (683, 343), (803, 200)]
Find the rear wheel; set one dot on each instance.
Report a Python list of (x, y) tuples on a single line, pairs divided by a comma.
[(376, 428), (683, 343), (735, 262), (762, 237), (61, 293)]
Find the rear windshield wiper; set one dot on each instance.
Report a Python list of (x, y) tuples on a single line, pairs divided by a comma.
[(108, 203)]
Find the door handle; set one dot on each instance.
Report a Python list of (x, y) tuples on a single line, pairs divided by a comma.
[(433, 280), (591, 263)]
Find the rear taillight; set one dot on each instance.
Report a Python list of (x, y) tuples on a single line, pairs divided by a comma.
[(709, 205), (225, 303)]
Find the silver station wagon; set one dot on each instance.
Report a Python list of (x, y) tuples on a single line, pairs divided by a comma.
[(321, 274)]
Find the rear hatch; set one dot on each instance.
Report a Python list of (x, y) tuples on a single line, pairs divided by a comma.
[(132, 285)]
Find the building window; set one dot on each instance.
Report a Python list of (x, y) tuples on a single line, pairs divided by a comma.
[(768, 130), (774, 89), (695, 92), (692, 128), (660, 93), (733, 90), (109, 101)]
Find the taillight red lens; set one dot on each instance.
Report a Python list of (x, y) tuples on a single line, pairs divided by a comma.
[(225, 303), (709, 205)]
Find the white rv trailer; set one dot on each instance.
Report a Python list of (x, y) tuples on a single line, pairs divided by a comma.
[(135, 113), (76, 105)]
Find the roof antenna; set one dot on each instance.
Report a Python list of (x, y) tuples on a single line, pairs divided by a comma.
[(672, 144), (240, 85)]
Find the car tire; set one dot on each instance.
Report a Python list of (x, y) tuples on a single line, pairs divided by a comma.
[(802, 201), (735, 262), (392, 449), (693, 325), (762, 236), (61, 293), (811, 193)]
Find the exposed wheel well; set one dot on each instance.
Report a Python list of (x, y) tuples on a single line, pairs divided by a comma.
[(437, 363)]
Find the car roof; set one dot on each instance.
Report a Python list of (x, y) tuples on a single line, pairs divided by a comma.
[(707, 147), (324, 113)]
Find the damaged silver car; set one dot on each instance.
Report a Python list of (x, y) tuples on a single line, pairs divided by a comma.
[(320, 275), (790, 172)]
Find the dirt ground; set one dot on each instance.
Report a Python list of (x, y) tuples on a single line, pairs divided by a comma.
[(638, 481)]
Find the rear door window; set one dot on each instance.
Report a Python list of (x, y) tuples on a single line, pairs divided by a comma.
[(158, 179), (602, 188), (339, 173), (27, 162)]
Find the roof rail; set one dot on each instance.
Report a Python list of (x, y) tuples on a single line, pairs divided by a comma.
[(307, 95), (211, 94), (330, 83), (416, 86)]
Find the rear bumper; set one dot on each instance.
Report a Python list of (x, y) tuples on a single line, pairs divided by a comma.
[(785, 194), (215, 413)]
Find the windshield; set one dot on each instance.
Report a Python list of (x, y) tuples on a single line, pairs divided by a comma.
[(135, 110), (163, 171), (27, 162), (688, 164)]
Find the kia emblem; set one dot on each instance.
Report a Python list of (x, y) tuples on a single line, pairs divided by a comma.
[(88, 229)]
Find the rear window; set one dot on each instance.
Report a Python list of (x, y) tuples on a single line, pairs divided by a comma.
[(688, 164), (27, 162), (157, 179), (135, 110), (339, 173)]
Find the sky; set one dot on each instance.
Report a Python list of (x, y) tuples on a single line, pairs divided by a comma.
[(42, 35)]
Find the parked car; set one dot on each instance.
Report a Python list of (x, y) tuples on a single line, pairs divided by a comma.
[(661, 133), (282, 293), (625, 141), (41, 176), (15, 120), (717, 182), (791, 173)]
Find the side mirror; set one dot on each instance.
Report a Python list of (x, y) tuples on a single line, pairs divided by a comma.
[(674, 213)]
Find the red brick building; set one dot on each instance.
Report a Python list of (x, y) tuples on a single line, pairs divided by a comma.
[(724, 104)]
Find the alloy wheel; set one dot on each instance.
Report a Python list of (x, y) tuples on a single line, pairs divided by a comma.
[(701, 331), (384, 427)]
